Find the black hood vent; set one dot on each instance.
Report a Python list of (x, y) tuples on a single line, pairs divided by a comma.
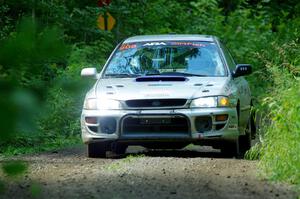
[(160, 78)]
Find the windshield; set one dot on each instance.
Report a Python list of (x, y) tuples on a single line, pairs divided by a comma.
[(166, 58)]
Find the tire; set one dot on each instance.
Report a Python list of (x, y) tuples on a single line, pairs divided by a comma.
[(230, 149), (97, 150), (243, 143), (253, 124), (118, 148), (245, 140)]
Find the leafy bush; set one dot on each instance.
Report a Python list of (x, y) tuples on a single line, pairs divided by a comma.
[(281, 135), (280, 149), (24, 56), (83, 55), (60, 118), (65, 97)]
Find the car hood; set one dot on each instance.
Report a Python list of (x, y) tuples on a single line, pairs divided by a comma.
[(192, 87)]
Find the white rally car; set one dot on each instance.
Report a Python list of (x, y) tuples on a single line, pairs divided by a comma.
[(167, 91)]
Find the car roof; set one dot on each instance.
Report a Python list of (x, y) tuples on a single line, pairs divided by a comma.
[(170, 37)]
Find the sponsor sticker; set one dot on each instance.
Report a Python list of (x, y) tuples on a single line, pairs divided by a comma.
[(172, 43), (155, 44), (188, 44), (127, 46)]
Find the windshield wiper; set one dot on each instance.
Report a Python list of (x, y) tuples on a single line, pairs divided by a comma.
[(182, 74), (121, 75), (151, 73)]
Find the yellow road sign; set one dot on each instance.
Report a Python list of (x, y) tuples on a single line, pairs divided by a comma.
[(106, 22)]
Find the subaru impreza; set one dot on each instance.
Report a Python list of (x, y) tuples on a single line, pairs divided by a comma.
[(166, 92)]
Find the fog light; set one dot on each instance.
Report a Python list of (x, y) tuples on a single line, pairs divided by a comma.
[(221, 118), (108, 125), (91, 120), (203, 124)]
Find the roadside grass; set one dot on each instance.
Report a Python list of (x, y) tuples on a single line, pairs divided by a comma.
[(56, 143), (280, 158), (132, 157), (254, 152), (279, 149)]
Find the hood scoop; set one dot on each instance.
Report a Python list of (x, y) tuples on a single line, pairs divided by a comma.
[(160, 78)]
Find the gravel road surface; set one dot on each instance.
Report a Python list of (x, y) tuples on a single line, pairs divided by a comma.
[(194, 172)]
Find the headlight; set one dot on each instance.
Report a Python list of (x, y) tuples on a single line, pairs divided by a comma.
[(90, 104), (209, 102), (94, 104), (109, 104), (204, 102)]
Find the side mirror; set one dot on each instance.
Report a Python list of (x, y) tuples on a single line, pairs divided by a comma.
[(89, 72), (241, 70)]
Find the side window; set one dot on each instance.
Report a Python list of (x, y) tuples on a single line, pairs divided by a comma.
[(230, 61)]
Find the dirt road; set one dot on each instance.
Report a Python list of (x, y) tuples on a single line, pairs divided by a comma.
[(189, 173)]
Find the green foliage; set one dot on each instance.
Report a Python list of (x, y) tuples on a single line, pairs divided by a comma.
[(64, 116), (94, 54), (254, 152), (211, 18), (280, 147), (38, 144), (5, 21), (25, 52), (24, 56), (118, 166), (2, 187), (35, 190), (14, 168)]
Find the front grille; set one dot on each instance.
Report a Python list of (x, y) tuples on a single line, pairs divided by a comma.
[(155, 103), (155, 125)]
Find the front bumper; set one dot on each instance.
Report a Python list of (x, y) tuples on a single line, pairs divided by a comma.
[(219, 131)]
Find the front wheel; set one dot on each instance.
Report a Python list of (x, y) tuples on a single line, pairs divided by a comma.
[(230, 149), (97, 150), (118, 148), (245, 140), (241, 146), (253, 120)]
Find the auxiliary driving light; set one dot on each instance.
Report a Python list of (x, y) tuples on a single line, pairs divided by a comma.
[(223, 101)]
